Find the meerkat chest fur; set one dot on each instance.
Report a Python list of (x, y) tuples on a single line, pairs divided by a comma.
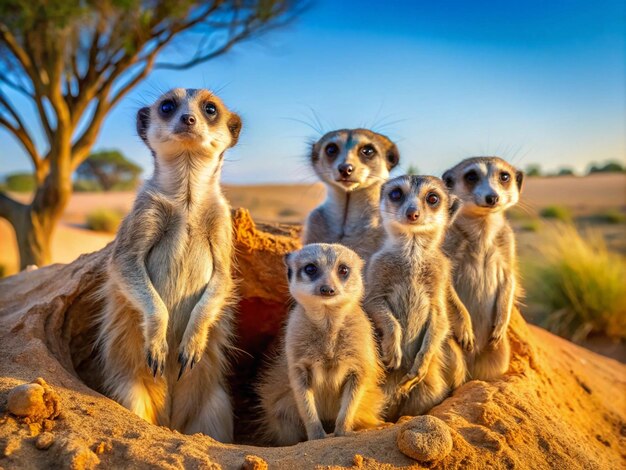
[(480, 255), (180, 263), (325, 347), (350, 214), (414, 289)]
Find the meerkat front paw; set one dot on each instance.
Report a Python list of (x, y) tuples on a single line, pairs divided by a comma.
[(156, 355), (341, 431), (190, 351), (465, 338), (413, 377), (391, 352), (496, 336)]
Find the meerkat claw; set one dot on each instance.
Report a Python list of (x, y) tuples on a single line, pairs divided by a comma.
[(183, 360)]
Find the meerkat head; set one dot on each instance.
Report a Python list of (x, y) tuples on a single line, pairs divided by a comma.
[(326, 275), (485, 185), (353, 158), (417, 205), (193, 121)]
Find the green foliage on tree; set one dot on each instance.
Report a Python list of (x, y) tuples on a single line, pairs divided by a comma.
[(73, 61), (108, 170), (533, 170), (608, 167), (412, 170), (20, 182)]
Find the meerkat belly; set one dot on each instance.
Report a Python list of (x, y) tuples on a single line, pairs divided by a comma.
[(180, 266), (411, 305), (477, 285), (329, 376)]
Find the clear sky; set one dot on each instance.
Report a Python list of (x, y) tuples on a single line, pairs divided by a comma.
[(533, 81)]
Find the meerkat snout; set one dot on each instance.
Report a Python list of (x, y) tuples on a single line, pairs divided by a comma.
[(417, 204), (485, 184), (323, 273)]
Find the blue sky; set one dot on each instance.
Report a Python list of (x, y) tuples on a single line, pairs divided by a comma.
[(534, 81)]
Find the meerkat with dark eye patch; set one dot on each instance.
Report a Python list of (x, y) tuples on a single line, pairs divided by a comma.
[(409, 293), (166, 324), (353, 164), (326, 377), (481, 245)]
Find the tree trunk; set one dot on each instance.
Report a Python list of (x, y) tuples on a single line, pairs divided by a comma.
[(34, 235)]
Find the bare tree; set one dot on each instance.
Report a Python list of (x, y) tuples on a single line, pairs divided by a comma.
[(75, 60)]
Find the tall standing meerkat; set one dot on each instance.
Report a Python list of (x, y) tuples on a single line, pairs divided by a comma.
[(353, 164), (409, 291), (326, 377), (167, 320), (481, 244)]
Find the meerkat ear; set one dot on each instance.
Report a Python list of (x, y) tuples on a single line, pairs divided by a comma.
[(286, 261), (234, 126), (448, 180), (393, 157), (143, 122), (454, 206), (519, 179)]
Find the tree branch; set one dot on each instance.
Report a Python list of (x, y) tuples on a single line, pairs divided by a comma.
[(10, 208)]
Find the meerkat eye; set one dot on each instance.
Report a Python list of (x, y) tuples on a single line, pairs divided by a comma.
[(210, 109), (168, 107), (471, 176), (332, 150), (505, 177), (368, 151), (395, 194), (310, 269), (432, 199), (343, 270)]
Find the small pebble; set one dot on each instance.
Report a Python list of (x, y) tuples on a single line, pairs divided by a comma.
[(425, 438), (44, 441)]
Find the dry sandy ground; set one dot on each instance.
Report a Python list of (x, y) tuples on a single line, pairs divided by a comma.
[(291, 203)]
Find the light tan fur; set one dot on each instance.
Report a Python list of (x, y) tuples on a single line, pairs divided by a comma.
[(166, 325), (481, 245), (326, 376), (350, 214), (409, 291)]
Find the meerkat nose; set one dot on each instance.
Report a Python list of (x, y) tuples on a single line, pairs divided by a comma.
[(327, 291), (491, 199), (412, 214), (188, 119), (345, 169)]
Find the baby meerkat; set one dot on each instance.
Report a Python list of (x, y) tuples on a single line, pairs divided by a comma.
[(327, 375), (481, 245), (409, 291), (169, 289), (353, 164)]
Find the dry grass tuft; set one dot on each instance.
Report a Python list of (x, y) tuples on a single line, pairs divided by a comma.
[(579, 284), (104, 220)]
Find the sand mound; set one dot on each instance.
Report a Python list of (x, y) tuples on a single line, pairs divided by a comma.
[(560, 406)]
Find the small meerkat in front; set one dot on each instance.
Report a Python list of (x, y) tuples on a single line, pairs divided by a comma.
[(481, 245), (409, 293), (353, 164), (169, 292), (327, 375)]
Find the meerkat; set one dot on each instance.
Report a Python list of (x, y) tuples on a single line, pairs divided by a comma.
[(166, 325), (481, 245), (353, 164), (327, 375), (409, 292)]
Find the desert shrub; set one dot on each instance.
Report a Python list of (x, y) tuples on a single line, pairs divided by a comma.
[(578, 284), (531, 225), (611, 216), (104, 220), (288, 212), (608, 167), (86, 186), (20, 182), (561, 213)]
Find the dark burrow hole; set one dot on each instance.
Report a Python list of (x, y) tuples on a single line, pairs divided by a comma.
[(258, 322)]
